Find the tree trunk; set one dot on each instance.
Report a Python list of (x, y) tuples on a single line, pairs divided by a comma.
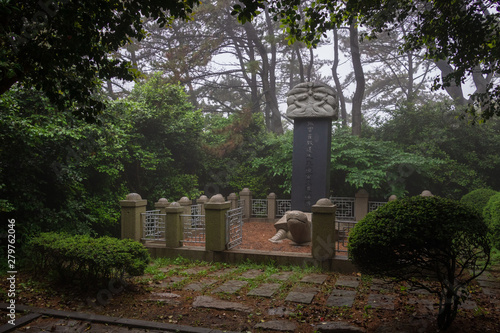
[(271, 107), (338, 86), (296, 49), (252, 78), (410, 89), (357, 99), (311, 64), (453, 90), (276, 125)]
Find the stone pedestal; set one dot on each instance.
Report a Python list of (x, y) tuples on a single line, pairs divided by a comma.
[(215, 223), (246, 197), (174, 230), (131, 209), (271, 207), (202, 200), (161, 205), (312, 106), (324, 234), (233, 198), (186, 204), (361, 204)]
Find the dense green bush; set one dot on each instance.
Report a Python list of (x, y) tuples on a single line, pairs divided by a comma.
[(491, 213), (87, 259), (418, 238), (478, 198)]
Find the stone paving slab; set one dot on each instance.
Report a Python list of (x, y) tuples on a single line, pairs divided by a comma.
[(347, 281), (468, 305), (491, 292), (252, 274), (265, 290), (487, 276), (283, 276), (302, 294), (277, 325), (419, 292), (194, 270), (214, 303), (378, 301), (230, 287), (300, 297), (338, 327), (422, 306), (492, 284), (340, 297), (165, 269), (200, 285), (381, 286), (222, 272), (281, 311), (314, 278), (170, 281), (168, 298), (306, 289)]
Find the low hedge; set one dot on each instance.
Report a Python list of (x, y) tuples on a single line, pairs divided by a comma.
[(478, 198), (88, 259)]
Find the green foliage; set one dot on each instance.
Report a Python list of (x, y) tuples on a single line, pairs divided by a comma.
[(164, 140), (491, 215), (63, 47), (471, 47), (60, 173), (232, 145), (87, 259), (469, 153), (380, 167), (478, 198), (421, 238), (375, 165)]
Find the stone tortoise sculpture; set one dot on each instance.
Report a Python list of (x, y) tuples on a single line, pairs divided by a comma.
[(295, 225)]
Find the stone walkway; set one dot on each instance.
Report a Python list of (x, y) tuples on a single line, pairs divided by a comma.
[(304, 291), (211, 288)]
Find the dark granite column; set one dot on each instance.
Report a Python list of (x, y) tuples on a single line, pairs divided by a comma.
[(313, 106)]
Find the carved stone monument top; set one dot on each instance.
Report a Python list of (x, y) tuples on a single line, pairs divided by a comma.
[(312, 99)]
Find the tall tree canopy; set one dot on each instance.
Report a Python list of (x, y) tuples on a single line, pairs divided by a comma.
[(462, 34), (62, 47)]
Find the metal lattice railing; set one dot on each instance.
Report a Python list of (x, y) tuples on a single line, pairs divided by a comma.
[(196, 209), (283, 206), (259, 207), (373, 205), (153, 225), (343, 229), (194, 229), (345, 208), (234, 227)]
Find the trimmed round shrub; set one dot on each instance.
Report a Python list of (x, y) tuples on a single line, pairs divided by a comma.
[(417, 238), (478, 198), (491, 215)]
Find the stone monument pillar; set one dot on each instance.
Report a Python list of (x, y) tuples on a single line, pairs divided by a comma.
[(312, 106)]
